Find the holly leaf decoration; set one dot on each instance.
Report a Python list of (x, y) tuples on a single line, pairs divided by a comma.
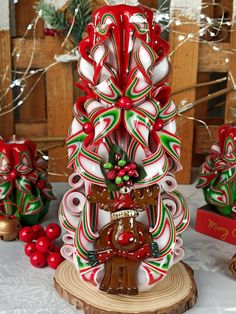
[(142, 173), (72, 21), (112, 187)]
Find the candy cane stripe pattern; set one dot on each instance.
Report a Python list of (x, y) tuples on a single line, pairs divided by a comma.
[(123, 148)]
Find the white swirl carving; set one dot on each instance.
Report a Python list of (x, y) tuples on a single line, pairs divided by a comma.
[(69, 202), (67, 251), (168, 183), (178, 250), (68, 238), (72, 182), (173, 204)]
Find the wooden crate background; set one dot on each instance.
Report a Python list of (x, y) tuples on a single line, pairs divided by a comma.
[(194, 63), (47, 111)]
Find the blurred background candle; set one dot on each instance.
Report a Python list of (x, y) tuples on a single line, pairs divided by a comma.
[(25, 192), (218, 172)]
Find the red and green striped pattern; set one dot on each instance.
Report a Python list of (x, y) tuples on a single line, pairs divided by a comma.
[(105, 123), (88, 164), (108, 90), (164, 225)]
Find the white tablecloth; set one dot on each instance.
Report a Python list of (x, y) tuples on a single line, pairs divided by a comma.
[(25, 289)]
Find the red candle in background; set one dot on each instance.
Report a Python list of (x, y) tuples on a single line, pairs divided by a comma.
[(18, 155), (24, 188), (227, 133), (218, 172)]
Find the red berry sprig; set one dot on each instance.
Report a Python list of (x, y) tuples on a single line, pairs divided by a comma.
[(49, 32), (121, 173), (40, 247)]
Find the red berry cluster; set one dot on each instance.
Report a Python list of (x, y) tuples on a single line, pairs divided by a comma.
[(39, 246), (121, 173), (49, 32)]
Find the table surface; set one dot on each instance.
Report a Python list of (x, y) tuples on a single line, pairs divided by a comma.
[(25, 289)]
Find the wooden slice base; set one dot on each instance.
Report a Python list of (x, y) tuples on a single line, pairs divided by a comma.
[(175, 294)]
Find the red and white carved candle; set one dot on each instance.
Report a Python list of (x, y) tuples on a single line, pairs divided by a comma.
[(24, 188), (123, 70)]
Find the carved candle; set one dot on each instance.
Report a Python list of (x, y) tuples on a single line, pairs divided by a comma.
[(24, 188), (218, 172), (123, 206)]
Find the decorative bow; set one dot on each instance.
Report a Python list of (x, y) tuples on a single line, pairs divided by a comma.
[(218, 175), (151, 120)]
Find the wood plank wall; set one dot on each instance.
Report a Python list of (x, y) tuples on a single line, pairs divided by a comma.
[(6, 121), (184, 63), (231, 97), (47, 111)]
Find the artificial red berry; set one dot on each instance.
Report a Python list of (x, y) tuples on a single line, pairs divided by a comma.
[(88, 128), (127, 168), (38, 231), (118, 156), (53, 248), (38, 259), (129, 183), (133, 165), (121, 173), (52, 32), (131, 173), (125, 103), (54, 260), (13, 174), (46, 31), (30, 248), (43, 244), (26, 234), (117, 168), (41, 184), (53, 231), (158, 124), (111, 175)]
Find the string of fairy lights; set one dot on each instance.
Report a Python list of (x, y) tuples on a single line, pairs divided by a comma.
[(206, 26)]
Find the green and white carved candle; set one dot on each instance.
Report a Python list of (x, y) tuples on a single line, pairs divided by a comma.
[(24, 188), (218, 172), (123, 147)]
